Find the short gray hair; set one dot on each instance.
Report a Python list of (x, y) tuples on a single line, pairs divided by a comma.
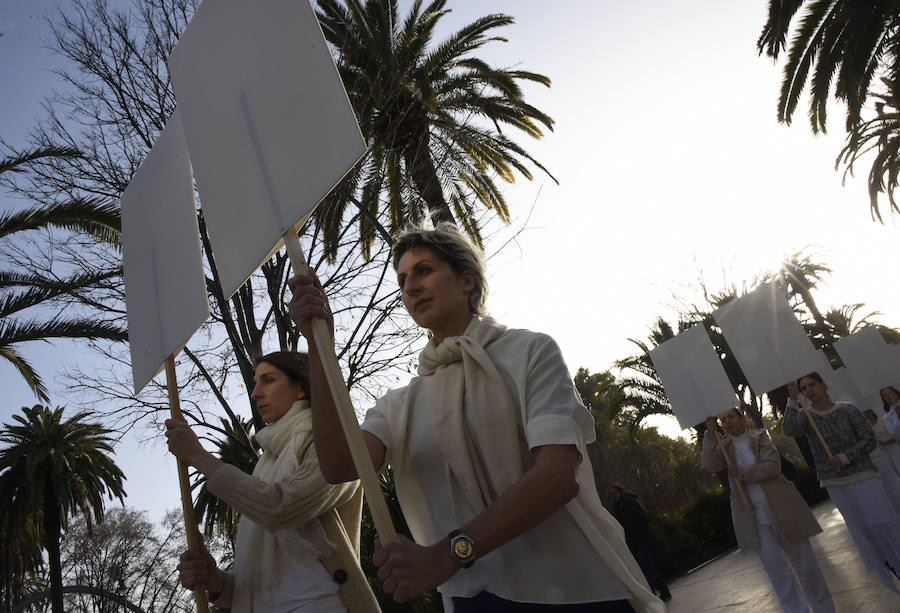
[(453, 247)]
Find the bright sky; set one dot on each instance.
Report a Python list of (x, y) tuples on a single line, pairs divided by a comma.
[(670, 162)]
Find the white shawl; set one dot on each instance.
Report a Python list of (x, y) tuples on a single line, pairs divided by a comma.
[(260, 555)]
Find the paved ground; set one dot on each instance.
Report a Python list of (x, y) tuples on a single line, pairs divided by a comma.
[(737, 582)]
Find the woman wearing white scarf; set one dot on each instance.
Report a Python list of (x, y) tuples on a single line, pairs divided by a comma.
[(488, 450), (298, 536)]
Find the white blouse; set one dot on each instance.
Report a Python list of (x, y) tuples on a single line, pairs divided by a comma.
[(745, 459), (551, 563)]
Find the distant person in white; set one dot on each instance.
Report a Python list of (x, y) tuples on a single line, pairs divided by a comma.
[(777, 522)]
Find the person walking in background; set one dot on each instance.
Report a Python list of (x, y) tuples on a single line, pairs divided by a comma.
[(774, 521), (884, 456), (629, 512), (849, 474)]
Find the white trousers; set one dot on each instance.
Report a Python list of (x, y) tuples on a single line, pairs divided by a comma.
[(778, 555), (890, 480), (873, 524)]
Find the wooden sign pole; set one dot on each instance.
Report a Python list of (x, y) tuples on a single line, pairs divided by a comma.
[(358, 449), (729, 463), (190, 522), (814, 425)]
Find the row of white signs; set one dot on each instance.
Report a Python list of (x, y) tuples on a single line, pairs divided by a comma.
[(772, 349)]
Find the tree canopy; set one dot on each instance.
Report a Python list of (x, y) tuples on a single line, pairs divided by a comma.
[(432, 114)]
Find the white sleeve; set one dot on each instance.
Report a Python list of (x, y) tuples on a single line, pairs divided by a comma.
[(376, 423), (892, 423), (552, 410)]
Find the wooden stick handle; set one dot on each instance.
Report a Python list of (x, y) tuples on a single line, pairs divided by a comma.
[(740, 485), (358, 449), (190, 522), (815, 426)]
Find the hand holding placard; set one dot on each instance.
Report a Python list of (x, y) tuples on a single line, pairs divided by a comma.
[(165, 287)]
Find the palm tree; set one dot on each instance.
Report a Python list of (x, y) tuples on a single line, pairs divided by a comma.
[(879, 135), (50, 469), (643, 393), (853, 45), (21, 291), (432, 116), (845, 42)]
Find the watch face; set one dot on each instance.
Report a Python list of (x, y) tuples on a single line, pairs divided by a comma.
[(463, 548)]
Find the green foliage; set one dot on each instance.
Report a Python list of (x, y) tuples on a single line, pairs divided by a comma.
[(20, 291), (846, 47), (432, 116), (664, 472), (51, 469)]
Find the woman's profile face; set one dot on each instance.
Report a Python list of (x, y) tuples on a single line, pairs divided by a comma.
[(733, 423), (812, 389), (274, 392), (433, 293), (890, 396)]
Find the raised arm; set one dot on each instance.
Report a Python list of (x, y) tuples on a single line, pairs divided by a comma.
[(308, 302), (298, 498), (795, 423), (711, 458)]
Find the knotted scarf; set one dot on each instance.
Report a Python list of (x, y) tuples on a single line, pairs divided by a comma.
[(259, 555)]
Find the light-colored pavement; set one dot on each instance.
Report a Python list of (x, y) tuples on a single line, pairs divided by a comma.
[(738, 583)]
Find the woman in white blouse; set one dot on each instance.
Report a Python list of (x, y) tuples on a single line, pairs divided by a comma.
[(487, 445), (774, 520)]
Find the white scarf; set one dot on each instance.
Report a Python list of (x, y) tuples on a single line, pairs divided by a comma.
[(260, 555), (474, 404)]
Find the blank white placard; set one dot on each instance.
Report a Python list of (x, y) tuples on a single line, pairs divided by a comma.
[(768, 342), (268, 124), (872, 363), (165, 287), (693, 377)]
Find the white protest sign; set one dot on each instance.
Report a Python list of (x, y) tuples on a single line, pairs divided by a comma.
[(768, 342), (693, 377), (841, 386), (165, 286), (268, 124), (872, 363)]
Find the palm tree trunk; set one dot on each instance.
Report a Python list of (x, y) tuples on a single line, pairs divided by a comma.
[(421, 168), (52, 532)]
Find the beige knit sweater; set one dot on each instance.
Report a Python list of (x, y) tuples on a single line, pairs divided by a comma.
[(301, 499)]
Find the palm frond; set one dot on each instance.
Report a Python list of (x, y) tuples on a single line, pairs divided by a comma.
[(26, 370), (91, 216)]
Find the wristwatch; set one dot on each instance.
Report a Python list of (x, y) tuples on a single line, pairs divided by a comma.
[(462, 548)]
